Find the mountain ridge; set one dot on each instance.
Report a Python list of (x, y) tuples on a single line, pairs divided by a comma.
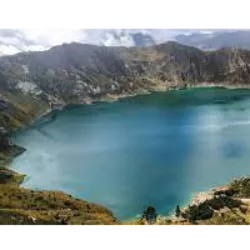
[(78, 73), (217, 40)]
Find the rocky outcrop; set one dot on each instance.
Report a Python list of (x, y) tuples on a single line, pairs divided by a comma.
[(31, 83), (7, 176), (7, 149), (4, 140)]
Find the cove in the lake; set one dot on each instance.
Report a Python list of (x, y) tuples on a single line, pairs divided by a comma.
[(155, 149)]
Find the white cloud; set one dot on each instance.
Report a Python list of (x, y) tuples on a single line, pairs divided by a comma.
[(52, 37), (8, 50), (13, 41), (116, 38)]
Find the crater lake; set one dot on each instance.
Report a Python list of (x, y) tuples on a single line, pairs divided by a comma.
[(157, 149)]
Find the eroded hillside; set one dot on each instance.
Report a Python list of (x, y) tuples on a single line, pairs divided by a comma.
[(31, 83)]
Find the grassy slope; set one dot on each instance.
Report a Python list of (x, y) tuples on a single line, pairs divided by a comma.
[(232, 213), (8, 176), (21, 110), (24, 206)]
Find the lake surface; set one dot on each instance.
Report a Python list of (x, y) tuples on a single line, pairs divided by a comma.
[(154, 149)]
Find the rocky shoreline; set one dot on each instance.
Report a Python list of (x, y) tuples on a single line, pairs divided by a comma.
[(160, 88)]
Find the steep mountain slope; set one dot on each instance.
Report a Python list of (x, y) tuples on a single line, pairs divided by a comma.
[(24, 206), (78, 73)]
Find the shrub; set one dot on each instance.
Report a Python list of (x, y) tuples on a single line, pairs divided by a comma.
[(243, 209), (229, 192), (206, 209), (199, 212), (223, 201), (177, 211), (150, 214), (242, 187)]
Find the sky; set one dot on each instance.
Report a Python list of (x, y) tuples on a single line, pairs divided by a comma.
[(38, 37)]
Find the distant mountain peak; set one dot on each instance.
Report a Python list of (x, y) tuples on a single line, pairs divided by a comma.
[(217, 40)]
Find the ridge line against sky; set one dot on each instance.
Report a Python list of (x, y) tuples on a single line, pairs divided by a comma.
[(38, 37)]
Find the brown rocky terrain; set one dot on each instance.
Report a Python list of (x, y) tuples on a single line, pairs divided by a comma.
[(31, 83)]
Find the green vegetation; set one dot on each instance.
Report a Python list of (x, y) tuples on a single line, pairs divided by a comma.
[(150, 214), (4, 158), (24, 206), (177, 211), (87, 72), (227, 192), (20, 109), (198, 212), (7, 154), (8, 176), (241, 187), (223, 201), (48, 207), (206, 209), (228, 218)]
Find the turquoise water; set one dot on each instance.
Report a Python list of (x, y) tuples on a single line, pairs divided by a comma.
[(155, 149)]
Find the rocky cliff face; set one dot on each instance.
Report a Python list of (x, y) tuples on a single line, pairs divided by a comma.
[(4, 140), (79, 73), (7, 149)]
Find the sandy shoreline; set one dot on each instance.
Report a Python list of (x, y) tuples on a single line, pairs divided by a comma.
[(200, 197)]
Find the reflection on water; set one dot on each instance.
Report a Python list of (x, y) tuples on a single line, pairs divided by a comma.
[(155, 149)]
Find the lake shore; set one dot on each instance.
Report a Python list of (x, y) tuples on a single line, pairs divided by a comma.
[(155, 89), (199, 198)]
